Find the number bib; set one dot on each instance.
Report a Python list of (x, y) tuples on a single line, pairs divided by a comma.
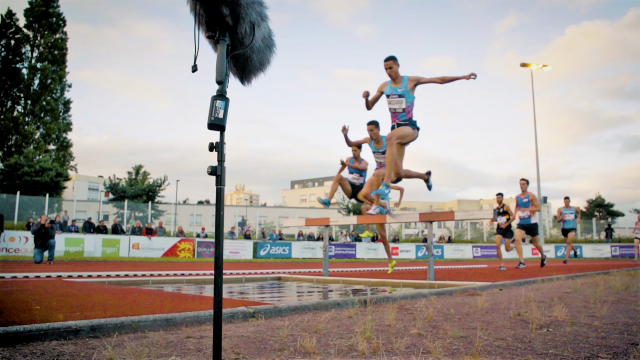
[(356, 179), (502, 220), (569, 216), (524, 214), (397, 103), (380, 159)]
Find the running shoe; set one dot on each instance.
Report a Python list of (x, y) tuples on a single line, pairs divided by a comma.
[(375, 210), (520, 265), (502, 268), (575, 253), (428, 181), (392, 266), (513, 241), (385, 206), (565, 261), (324, 202), (366, 234), (636, 259), (384, 190), (50, 262), (543, 261)]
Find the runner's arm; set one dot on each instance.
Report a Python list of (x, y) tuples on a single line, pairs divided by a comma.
[(343, 165), (535, 205), (559, 215), (362, 166), (417, 80), (345, 131), (577, 209), (401, 189), (369, 104)]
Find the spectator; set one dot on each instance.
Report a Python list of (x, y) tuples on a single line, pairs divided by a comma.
[(433, 238), (88, 227), (355, 237), (132, 222), (102, 228), (73, 228), (44, 239), (29, 224), (247, 234), (300, 236), (263, 234), (425, 239), (202, 234), (396, 239), (280, 235), (331, 239), (65, 221), (273, 236), (449, 240), (441, 239), (242, 224), (320, 238), (180, 232), (161, 230), (608, 234), (232, 234), (148, 231), (375, 237), (116, 228), (310, 237), (136, 229), (344, 238), (59, 224)]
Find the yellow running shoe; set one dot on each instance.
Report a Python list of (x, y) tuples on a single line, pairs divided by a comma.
[(392, 266), (366, 234)]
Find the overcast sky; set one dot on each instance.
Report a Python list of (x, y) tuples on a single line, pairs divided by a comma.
[(135, 100)]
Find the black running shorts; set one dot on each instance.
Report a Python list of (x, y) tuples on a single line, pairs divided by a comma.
[(505, 233), (529, 229), (355, 190), (566, 232), (411, 123)]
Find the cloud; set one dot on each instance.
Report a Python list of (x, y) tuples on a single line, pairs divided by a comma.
[(579, 5), (438, 64), (366, 30), (339, 10), (356, 79), (507, 23)]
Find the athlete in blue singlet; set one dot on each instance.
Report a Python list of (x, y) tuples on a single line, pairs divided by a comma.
[(527, 208), (352, 184), (569, 216), (404, 129)]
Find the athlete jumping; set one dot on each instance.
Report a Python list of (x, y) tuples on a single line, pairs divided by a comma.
[(504, 217), (404, 129), (351, 185), (527, 208), (567, 216)]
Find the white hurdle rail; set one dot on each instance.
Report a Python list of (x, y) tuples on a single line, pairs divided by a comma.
[(428, 217)]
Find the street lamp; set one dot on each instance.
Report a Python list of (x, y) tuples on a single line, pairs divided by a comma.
[(175, 213), (533, 67)]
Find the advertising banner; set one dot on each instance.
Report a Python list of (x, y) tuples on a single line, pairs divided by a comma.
[(370, 251), (596, 250), (549, 251), (306, 250), (342, 251), (75, 245), (484, 252), (561, 251), (274, 250), (402, 251), (16, 243), (205, 249), (421, 252), (622, 251), (156, 247), (233, 249), (110, 246), (457, 252)]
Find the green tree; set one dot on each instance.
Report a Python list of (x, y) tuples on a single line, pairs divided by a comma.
[(204, 202), (347, 207), (602, 211), (43, 114), (139, 188), (634, 211)]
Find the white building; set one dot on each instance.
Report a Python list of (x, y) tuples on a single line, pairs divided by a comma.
[(240, 196), (303, 193), (83, 187)]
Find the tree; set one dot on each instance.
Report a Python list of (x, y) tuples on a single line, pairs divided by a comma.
[(634, 211), (138, 188), (43, 111), (185, 201), (347, 207), (204, 202), (602, 211)]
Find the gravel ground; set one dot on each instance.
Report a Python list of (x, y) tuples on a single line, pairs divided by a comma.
[(587, 318)]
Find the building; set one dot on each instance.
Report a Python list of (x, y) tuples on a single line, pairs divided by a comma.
[(240, 196), (83, 188), (303, 193)]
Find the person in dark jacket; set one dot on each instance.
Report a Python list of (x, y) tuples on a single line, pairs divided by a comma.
[(44, 239), (136, 230), (247, 235), (396, 239), (116, 228), (102, 228), (331, 239), (375, 237), (59, 225), (311, 237), (148, 231), (29, 224), (281, 236), (88, 227), (73, 228), (320, 238)]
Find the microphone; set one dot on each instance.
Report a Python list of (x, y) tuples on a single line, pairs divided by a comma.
[(251, 43)]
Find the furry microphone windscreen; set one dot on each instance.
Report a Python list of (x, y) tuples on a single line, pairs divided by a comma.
[(238, 18)]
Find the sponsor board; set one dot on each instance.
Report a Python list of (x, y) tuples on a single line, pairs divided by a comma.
[(238, 249), (73, 247), (370, 251), (110, 248), (205, 249), (16, 243), (484, 251), (306, 250), (561, 251), (342, 251), (549, 251), (622, 251), (596, 250), (274, 250), (457, 252), (156, 247), (403, 251), (421, 252)]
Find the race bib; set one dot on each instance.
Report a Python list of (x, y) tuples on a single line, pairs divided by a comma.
[(502, 220), (524, 214), (380, 158), (569, 217), (397, 103), (356, 179)]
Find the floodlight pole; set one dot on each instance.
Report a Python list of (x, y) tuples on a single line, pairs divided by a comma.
[(535, 132), (217, 119)]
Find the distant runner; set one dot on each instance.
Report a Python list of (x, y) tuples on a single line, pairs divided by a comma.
[(504, 217), (569, 216), (527, 208), (353, 183)]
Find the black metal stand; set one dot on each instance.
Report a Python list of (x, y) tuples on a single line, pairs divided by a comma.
[(217, 121)]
